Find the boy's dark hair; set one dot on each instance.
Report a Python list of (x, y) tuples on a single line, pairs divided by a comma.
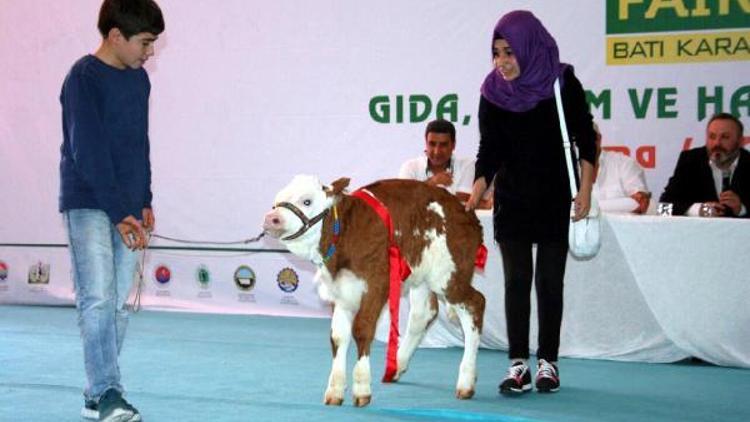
[(441, 126), (727, 116), (131, 17)]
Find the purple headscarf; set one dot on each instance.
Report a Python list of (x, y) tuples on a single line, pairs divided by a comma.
[(538, 57)]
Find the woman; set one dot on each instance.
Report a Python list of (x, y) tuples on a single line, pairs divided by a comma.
[(522, 146)]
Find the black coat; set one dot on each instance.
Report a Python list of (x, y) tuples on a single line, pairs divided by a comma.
[(693, 182), (525, 151)]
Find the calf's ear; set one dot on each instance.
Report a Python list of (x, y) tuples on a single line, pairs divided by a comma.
[(339, 185)]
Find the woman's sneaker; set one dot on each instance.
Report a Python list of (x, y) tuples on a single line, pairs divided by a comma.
[(547, 378), (518, 379), (113, 408)]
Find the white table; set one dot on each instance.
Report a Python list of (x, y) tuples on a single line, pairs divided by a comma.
[(661, 289)]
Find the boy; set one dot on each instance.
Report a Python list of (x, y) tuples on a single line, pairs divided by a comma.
[(105, 189)]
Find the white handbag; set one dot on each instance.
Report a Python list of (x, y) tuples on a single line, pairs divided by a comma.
[(584, 235)]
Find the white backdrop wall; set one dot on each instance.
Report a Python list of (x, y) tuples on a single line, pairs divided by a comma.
[(246, 94)]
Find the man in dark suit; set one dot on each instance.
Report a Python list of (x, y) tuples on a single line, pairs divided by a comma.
[(714, 179)]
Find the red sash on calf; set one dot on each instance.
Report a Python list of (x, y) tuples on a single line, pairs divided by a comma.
[(399, 270), (481, 259)]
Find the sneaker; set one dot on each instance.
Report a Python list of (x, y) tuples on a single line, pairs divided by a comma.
[(547, 378), (136, 413), (113, 408), (90, 410), (518, 379)]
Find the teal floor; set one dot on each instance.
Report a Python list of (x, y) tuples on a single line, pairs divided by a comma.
[(198, 367)]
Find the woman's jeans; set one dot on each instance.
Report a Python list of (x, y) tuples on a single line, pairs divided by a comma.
[(103, 273)]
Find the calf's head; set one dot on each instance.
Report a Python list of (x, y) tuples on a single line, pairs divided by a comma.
[(300, 206)]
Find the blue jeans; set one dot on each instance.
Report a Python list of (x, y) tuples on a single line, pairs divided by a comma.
[(103, 273)]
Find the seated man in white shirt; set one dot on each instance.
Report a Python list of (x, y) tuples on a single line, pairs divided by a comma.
[(619, 183), (438, 167)]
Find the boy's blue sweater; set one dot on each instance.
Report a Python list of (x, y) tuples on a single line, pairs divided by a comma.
[(105, 151)]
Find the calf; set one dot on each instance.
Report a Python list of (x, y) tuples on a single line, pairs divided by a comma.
[(348, 241)]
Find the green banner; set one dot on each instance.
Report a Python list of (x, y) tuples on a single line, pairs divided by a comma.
[(637, 16)]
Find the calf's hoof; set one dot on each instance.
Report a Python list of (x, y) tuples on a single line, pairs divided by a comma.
[(464, 394), (330, 400), (362, 401), (399, 373)]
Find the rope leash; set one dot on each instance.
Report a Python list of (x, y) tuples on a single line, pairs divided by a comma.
[(136, 305), (209, 242)]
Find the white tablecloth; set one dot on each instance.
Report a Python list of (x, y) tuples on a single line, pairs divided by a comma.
[(661, 289)]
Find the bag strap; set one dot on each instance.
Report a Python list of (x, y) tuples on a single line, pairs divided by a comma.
[(566, 140)]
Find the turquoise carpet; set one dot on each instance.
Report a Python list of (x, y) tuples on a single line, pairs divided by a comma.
[(217, 368)]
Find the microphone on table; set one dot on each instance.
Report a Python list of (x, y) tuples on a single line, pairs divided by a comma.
[(726, 180), (726, 184)]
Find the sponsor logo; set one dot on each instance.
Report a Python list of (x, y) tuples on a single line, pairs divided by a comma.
[(3, 271), (39, 273), (677, 31), (162, 275), (288, 280), (203, 276), (244, 278)]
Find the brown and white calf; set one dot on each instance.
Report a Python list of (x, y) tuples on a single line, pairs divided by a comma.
[(437, 238)]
